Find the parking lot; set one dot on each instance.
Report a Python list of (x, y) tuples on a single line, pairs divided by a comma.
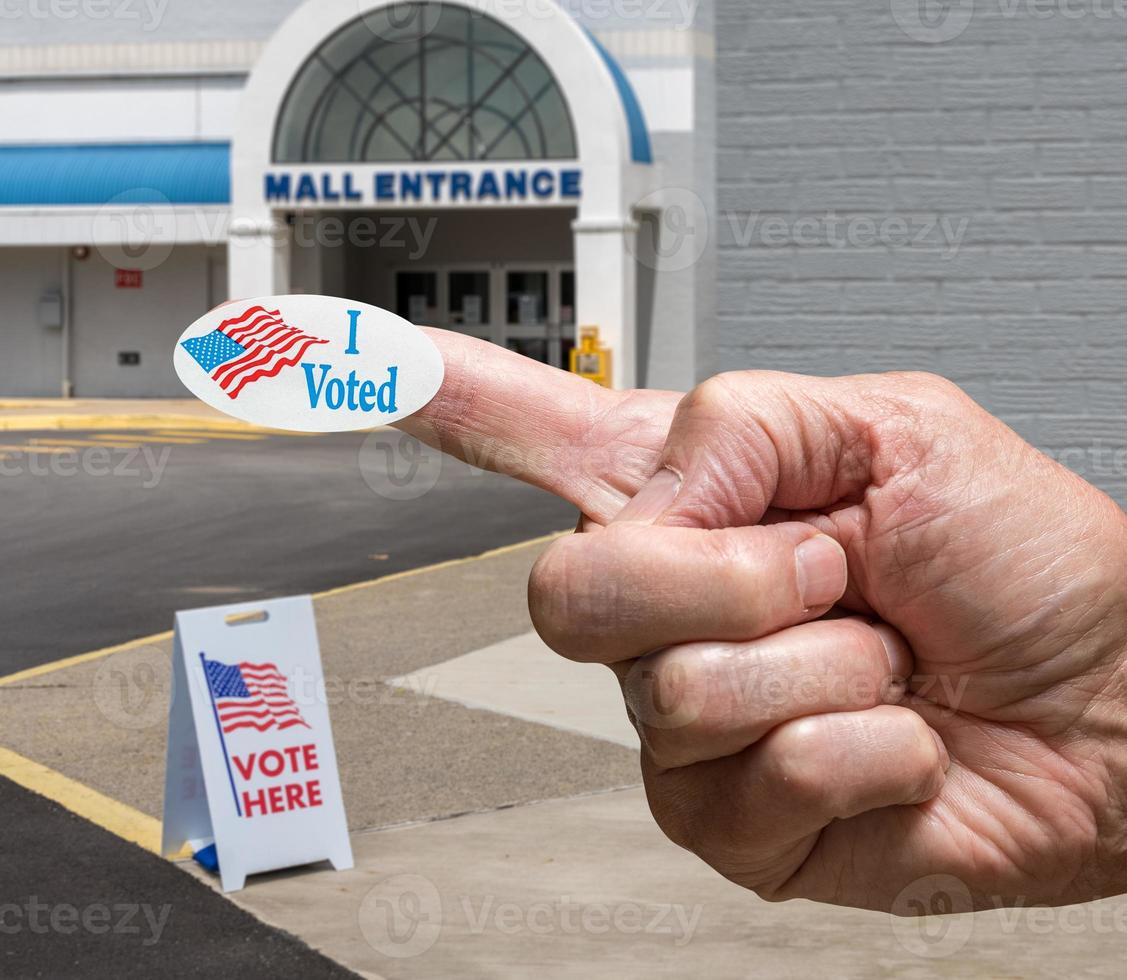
[(110, 529)]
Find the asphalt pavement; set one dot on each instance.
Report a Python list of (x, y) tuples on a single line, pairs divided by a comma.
[(76, 901), (107, 535)]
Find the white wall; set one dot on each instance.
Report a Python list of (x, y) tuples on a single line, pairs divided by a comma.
[(30, 355), (144, 110), (150, 320)]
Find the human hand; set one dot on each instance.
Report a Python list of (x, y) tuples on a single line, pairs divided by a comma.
[(785, 752)]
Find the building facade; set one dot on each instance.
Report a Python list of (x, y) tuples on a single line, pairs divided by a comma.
[(941, 187), (499, 167), (823, 186)]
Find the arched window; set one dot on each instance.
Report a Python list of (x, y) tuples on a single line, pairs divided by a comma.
[(423, 81)]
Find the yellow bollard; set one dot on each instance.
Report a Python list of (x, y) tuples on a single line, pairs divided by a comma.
[(591, 360)]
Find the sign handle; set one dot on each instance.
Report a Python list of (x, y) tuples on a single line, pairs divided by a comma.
[(219, 728)]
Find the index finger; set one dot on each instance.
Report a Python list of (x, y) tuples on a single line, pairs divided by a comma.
[(499, 411)]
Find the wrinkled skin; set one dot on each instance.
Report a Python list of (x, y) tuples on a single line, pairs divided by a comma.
[(963, 710)]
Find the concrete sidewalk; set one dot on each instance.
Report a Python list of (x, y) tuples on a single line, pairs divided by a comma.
[(497, 823)]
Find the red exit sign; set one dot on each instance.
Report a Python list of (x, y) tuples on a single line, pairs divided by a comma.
[(128, 279)]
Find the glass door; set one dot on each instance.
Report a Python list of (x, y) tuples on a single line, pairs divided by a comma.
[(416, 296), (567, 316), (540, 312), (469, 306), (529, 310), (526, 313)]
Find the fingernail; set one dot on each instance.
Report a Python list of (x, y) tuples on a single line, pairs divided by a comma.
[(901, 663), (944, 755), (821, 571), (653, 500)]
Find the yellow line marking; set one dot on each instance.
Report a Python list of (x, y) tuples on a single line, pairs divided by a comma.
[(452, 563), (83, 658), (158, 437), (21, 403), (204, 434), (109, 441), (118, 818), (106, 442)]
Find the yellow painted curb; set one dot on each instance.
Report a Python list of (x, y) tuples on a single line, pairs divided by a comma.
[(127, 823), (81, 658), (437, 567)]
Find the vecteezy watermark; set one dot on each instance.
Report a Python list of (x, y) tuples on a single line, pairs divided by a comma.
[(1094, 461), (932, 918), (416, 19), (141, 463), (410, 235), (924, 919), (398, 466), (932, 21), (404, 916), (938, 21), (97, 919), (676, 14), (307, 688), (139, 229), (148, 13), (674, 230), (665, 694), (132, 689), (944, 233)]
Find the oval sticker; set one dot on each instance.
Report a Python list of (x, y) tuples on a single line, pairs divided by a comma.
[(309, 363)]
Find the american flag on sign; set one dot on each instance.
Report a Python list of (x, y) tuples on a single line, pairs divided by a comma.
[(254, 345), (251, 696)]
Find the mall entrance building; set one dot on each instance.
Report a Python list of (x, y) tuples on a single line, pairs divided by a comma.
[(499, 167)]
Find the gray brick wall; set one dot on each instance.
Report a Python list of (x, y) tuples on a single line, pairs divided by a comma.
[(891, 201)]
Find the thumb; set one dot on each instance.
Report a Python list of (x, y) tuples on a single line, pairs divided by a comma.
[(743, 442)]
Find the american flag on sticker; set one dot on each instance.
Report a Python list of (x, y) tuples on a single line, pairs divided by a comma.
[(256, 344), (250, 696)]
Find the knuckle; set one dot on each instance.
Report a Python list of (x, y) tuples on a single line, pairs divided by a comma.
[(554, 601), (928, 775), (800, 750), (927, 384), (713, 397), (931, 396), (667, 695)]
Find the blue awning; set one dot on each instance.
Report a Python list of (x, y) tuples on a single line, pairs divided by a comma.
[(153, 173)]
